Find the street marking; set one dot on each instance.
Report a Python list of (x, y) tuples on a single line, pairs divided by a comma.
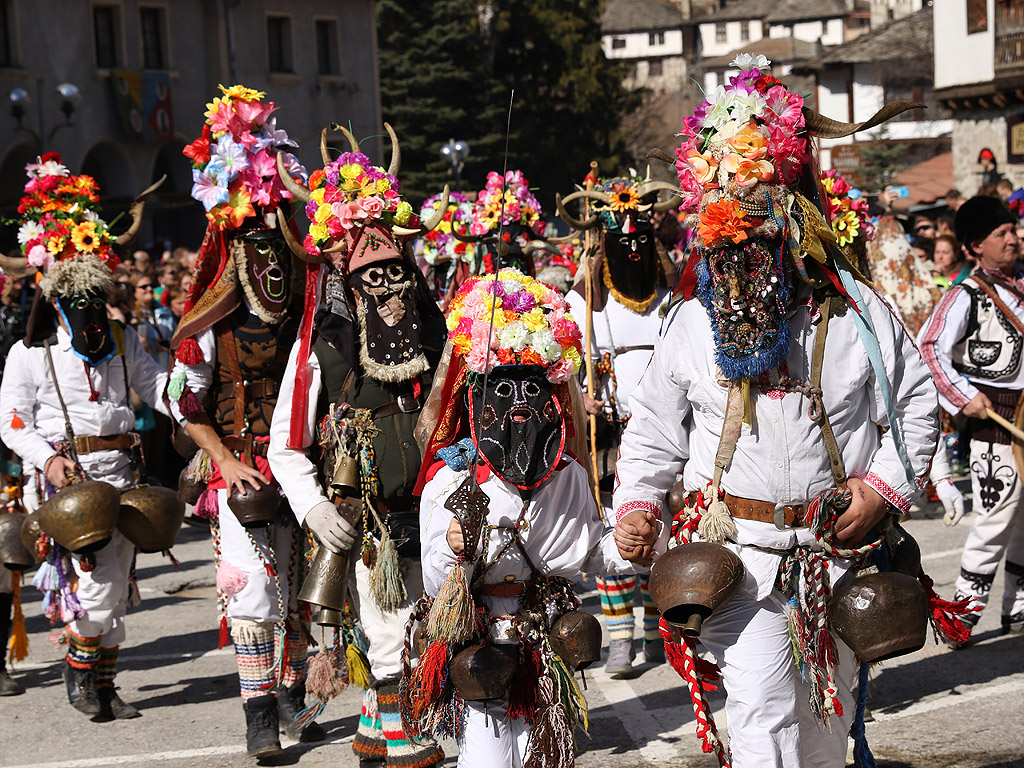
[(127, 658), (942, 554), (923, 707)]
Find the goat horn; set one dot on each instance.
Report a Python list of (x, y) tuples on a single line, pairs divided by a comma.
[(135, 211), (564, 214), (429, 224), (661, 154), (539, 245), (348, 135), (396, 151), (324, 154), (297, 248), (652, 188), (298, 191), (827, 128), (559, 240), (15, 267), (466, 238)]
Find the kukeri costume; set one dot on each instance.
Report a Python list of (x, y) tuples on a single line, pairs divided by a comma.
[(499, 463), (973, 343), (451, 260), (766, 420), (351, 393), (65, 392), (231, 348)]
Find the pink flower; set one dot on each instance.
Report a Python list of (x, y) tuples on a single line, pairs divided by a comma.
[(786, 107), (561, 371), (480, 359), (691, 189), (253, 112), (372, 205), (705, 167), (40, 258), (348, 214), (565, 327)]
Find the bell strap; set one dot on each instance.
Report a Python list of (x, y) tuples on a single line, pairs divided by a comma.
[(68, 429), (835, 458), (731, 429), (228, 347)]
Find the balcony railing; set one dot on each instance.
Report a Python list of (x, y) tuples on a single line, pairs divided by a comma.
[(1009, 35)]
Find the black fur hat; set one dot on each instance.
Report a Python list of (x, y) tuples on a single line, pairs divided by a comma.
[(976, 219)]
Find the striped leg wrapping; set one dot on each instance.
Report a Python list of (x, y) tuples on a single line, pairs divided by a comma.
[(369, 741), (297, 650), (617, 605), (83, 652), (651, 614), (106, 667), (254, 652), (402, 753)]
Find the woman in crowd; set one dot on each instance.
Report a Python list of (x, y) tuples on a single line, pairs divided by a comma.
[(949, 265)]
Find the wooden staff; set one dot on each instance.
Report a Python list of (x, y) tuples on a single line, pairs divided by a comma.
[(1006, 424), (588, 246)]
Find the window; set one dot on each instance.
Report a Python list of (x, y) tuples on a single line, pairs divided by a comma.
[(720, 32), (655, 38), (106, 28), (327, 47), (824, 27), (654, 68), (279, 43), (618, 42), (151, 27), (744, 31), (7, 57)]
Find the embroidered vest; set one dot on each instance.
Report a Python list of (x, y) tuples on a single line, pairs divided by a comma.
[(991, 347)]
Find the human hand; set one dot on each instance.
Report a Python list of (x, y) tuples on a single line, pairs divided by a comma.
[(592, 405), (236, 474), (57, 468), (952, 501), (977, 407), (866, 509), (454, 537), (635, 535), (331, 528)]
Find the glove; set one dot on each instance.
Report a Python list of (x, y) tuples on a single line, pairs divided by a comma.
[(952, 501), (331, 529)]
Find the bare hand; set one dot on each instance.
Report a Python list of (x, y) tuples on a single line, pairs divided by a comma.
[(454, 537), (866, 510), (635, 535), (56, 470), (976, 408), (593, 406), (236, 474)]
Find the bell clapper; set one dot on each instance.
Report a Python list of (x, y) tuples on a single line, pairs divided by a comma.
[(692, 626)]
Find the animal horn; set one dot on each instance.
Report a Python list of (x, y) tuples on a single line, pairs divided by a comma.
[(539, 245), (827, 128), (348, 135), (396, 151), (466, 238), (564, 214), (324, 154), (135, 211), (563, 238), (297, 248), (429, 224), (298, 191), (15, 266), (661, 154), (653, 187)]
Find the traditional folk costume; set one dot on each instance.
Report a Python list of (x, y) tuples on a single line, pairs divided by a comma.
[(230, 353), (489, 676), (972, 343), (624, 327), (451, 260), (65, 392), (354, 385), (766, 421)]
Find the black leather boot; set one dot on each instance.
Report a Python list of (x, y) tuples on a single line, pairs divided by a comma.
[(261, 723), (113, 706), (81, 685), (290, 702)]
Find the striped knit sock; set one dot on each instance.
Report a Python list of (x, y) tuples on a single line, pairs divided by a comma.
[(369, 741), (617, 605), (297, 647), (651, 613), (83, 652), (254, 652), (106, 668), (402, 753)]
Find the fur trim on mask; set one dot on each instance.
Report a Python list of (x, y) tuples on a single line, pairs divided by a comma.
[(242, 273), (78, 276)]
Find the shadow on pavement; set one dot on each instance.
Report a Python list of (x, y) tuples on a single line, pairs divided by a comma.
[(194, 690), (190, 642)]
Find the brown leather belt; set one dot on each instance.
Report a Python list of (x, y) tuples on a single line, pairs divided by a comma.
[(503, 589), (261, 388), (245, 444), (402, 404), (91, 443), (762, 511)]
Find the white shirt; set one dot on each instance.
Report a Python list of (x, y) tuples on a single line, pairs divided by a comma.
[(28, 389)]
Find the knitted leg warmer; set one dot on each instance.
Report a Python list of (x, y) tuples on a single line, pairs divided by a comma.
[(106, 667), (651, 614), (617, 605), (402, 753), (83, 652), (369, 741), (254, 652)]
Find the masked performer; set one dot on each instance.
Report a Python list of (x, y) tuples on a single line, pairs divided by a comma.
[(506, 221), (224, 385), (450, 260), (501, 543), (775, 431), (67, 411), (354, 384), (624, 325), (972, 344)]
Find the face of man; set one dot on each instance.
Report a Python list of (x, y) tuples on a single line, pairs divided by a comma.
[(1000, 249)]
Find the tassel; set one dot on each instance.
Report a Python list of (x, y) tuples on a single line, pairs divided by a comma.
[(386, 585), (206, 506), (522, 699), (358, 668), (946, 615), (827, 656), (134, 596), (16, 422), (433, 670), (569, 694), (189, 404), (189, 352), (325, 679), (223, 637), (19, 637), (551, 743), (451, 615), (716, 525)]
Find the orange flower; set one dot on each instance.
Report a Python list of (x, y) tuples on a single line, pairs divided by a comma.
[(749, 142), (747, 172), (723, 221), (705, 167)]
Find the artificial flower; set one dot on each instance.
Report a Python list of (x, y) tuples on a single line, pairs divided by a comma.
[(785, 108), (723, 220), (749, 141), (85, 237), (704, 166), (750, 61), (208, 190), (623, 197), (746, 172), (233, 157), (40, 258), (241, 92), (29, 231), (846, 227), (198, 151)]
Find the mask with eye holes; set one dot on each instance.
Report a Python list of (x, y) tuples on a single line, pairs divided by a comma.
[(87, 322), (389, 321), (263, 264), (745, 290), (630, 269), (518, 427)]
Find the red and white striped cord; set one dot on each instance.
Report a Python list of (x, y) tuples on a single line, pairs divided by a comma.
[(706, 730)]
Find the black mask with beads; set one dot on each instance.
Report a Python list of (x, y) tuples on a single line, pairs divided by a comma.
[(86, 319)]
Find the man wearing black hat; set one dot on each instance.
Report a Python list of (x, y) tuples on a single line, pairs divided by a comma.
[(973, 343)]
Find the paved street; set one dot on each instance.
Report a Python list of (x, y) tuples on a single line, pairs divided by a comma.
[(934, 709)]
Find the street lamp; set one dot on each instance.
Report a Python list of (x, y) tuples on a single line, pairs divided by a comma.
[(70, 98), (21, 102), (455, 153)]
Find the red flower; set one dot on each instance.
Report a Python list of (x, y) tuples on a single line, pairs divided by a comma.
[(765, 82), (198, 151), (50, 156), (316, 179)]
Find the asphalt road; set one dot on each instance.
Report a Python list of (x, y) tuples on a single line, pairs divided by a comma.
[(932, 709)]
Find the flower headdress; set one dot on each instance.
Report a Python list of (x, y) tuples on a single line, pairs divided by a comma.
[(512, 192), (532, 325), (440, 245), (234, 169), (848, 214)]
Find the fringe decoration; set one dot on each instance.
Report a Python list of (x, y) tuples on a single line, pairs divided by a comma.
[(223, 637), (946, 615), (326, 678), (522, 699), (189, 352), (433, 675), (358, 667), (570, 697), (189, 404), (207, 507), (551, 743), (200, 467), (19, 637), (451, 615), (716, 524), (386, 585)]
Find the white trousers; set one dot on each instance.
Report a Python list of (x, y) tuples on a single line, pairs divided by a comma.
[(491, 739), (257, 599), (386, 631), (103, 591), (769, 719), (998, 528)]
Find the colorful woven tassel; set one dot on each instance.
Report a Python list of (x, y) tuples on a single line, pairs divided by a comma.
[(451, 615)]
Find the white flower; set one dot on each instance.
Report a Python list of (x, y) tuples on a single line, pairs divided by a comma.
[(52, 168), (513, 336), (29, 231), (750, 61), (744, 106), (717, 114), (544, 344), (91, 215)]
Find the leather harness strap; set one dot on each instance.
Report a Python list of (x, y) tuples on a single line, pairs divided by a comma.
[(835, 458), (90, 443), (228, 347)]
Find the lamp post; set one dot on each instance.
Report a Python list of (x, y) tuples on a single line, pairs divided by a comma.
[(455, 153), (21, 102)]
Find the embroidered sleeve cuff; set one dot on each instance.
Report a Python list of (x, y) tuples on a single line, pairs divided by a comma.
[(631, 506), (887, 493)]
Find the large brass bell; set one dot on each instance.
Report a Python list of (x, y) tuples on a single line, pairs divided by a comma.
[(905, 554), (345, 479), (576, 638), (689, 582), (255, 509), (484, 671), (13, 553), (81, 517), (30, 533), (189, 490), (151, 517), (880, 615), (326, 585)]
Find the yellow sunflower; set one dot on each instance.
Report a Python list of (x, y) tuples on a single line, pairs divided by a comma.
[(243, 93), (85, 237), (624, 198), (846, 227)]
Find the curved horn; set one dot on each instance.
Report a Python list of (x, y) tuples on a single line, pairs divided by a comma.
[(660, 154), (396, 151), (429, 224), (348, 135), (564, 214), (559, 240), (15, 267), (297, 248), (338, 247), (135, 211), (466, 238), (653, 187), (539, 245), (827, 128), (324, 154), (298, 191)]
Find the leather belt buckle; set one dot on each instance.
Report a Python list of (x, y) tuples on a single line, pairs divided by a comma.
[(83, 443), (779, 516), (407, 403)]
